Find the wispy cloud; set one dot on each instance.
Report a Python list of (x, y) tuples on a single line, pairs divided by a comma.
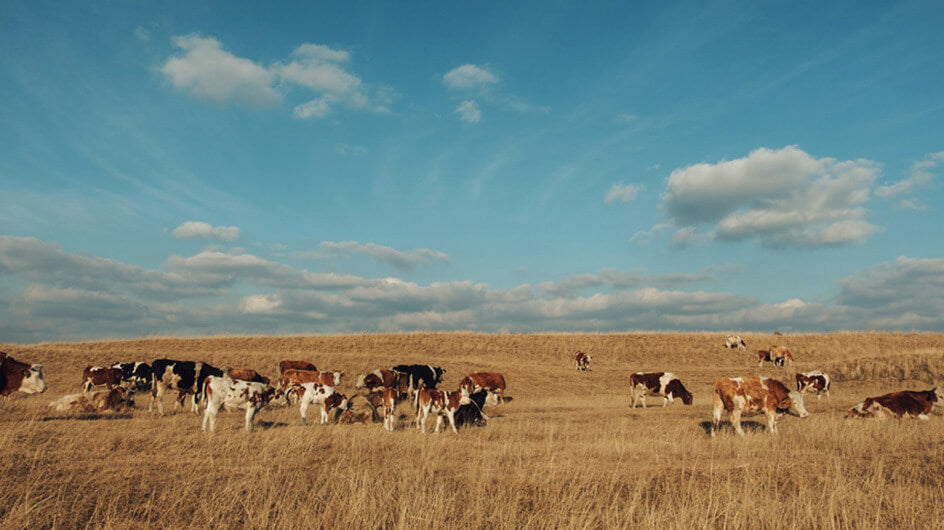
[(403, 260), (201, 230), (468, 77), (623, 193), (469, 112), (922, 175)]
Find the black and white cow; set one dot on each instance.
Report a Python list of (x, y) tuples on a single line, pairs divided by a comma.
[(138, 374), (471, 415), (429, 376), (186, 377)]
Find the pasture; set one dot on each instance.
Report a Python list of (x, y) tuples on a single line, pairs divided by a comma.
[(567, 451)]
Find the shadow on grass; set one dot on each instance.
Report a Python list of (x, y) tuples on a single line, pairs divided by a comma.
[(725, 427), (87, 417)]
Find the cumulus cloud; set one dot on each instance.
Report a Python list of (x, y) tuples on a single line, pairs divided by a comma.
[(779, 197), (469, 112), (321, 69), (201, 230), (469, 76), (403, 260), (922, 175), (623, 193)]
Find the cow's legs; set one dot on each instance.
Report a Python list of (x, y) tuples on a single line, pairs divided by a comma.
[(324, 414), (716, 414), (157, 394), (250, 414), (210, 416), (736, 421), (303, 409), (771, 421), (193, 407), (439, 420), (451, 414)]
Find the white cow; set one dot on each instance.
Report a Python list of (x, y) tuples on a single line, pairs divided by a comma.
[(235, 394), (734, 341), (327, 396)]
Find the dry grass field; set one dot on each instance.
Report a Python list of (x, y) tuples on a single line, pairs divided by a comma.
[(566, 452)]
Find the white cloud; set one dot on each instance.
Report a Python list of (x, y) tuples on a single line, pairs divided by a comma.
[(780, 197), (260, 304), (912, 204), (201, 230), (403, 260), (319, 68), (623, 192), (922, 174), (469, 76), (207, 71), (468, 111)]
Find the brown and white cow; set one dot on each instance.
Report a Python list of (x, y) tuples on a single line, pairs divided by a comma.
[(248, 374), (379, 379), (904, 404), (663, 384), (326, 396), (295, 365), (100, 401), (753, 395), (582, 361), (814, 381), (293, 378), (441, 403), (776, 354), (16, 376), (235, 394), (492, 381), (734, 341), (391, 397), (101, 376)]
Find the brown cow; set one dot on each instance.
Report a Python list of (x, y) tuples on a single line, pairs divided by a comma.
[(492, 381), (377, 380), (295, 365), (19, 376), (814, 381), (114, 400), (440, 403), (248, 374), (100, 375), (582, 360), (754, 395), (663, 384), (904, 404), (776, 354)]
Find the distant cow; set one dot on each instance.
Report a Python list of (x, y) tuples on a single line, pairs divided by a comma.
[(100, 401), (137, 374), (101, 376), (663, 384), (421, 375), (233, 394), (440, 403), (186, 377), (815, 381), (377, 380), (493, 381), (582, 361), (295, 365), (16, 376), (754, 395), (248, 374), (326, 396), (734, 341), (904, 404), (776, 354)]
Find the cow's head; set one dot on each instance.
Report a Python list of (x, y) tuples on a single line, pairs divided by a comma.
[(938, 397), (439, 374), (33, 380), (793, 405), (337, 377), (676, 389), (859, 411), (361, 381)]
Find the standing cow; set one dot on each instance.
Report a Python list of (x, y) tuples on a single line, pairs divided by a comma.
[(137, 374), (493, 381), (221, 391), (734, 341), (440, 403), (421, 375), (186, 377), (813, 381), (778, 355), (16, 376), (326, 396), (101, 376), (663, 384), (582, 361), (753, 395)]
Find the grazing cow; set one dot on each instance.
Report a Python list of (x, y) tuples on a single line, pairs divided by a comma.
[(904, 404), (493, 381), (815, 381), (377, 380), (470, 415), (582, 360), (221, 391), (776, 354), (734, 341), (663, 384), (100, 375), (137, 374), (421, 375), (440, 403), (295, 365), (186, 377), (327, 396), (19, 376), (754, 395), (248, 374), (100, 401)]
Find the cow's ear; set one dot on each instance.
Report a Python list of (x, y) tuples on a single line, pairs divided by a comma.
[(785, 403)]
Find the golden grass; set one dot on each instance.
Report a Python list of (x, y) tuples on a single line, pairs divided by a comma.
[(566, 452)]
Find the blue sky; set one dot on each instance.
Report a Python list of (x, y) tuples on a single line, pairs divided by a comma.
[(206, 168)]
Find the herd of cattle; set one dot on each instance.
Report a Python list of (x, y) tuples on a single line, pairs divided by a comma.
[(383, 392)]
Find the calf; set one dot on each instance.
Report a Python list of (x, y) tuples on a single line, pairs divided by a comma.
[(186, 377), (776, 354), (99, 376), (137, 374), (815, 381), (904, 404), (377, 380), (295, 365), (440, 403), (754, 395), (248, 374), (421, 375), (663, 384), (327, 396), (734, 341), (100, 401), (221, 391), (582, 361), (16, 376), (493, 381)]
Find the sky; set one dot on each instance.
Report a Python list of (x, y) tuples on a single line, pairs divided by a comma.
[(213, 168)]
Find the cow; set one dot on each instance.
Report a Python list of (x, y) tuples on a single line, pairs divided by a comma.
[(776, 354), (362, 409), (186, 377), (222, 391), (100, 375), (904, 404), (663, 384), (814, 381), (137, 374), (754, 395), (16, 376), (293, 377), (327, 396), (493, 381), (390, 398), (377, 380), (295, 365), (734, 341), (248, 374), (440, 403), (582, 361), (470, 415), (421, 375), (98, 402)]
